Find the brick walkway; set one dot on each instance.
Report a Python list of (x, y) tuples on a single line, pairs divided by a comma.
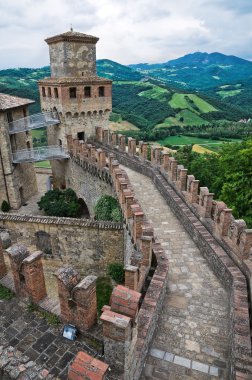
[(191, 341), (40, 344)]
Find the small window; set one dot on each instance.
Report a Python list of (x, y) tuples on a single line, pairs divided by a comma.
[(9, 117), (87, 92), (101, 91), (81, 136), (24, 112), (56, 94), (43, 92), (49, 92), (72, 92)]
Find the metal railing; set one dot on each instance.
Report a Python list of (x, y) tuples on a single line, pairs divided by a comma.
[(43, 153), (38, 120)]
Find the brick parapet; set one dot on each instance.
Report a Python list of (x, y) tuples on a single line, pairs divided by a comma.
[(216, 251)]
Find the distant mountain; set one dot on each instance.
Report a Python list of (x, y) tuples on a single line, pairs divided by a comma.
[(199, 71), (208, 59)]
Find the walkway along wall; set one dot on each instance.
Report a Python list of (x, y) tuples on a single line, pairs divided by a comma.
[(224, 242)]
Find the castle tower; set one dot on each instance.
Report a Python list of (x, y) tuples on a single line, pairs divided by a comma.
[(81, 98), (17, 180)]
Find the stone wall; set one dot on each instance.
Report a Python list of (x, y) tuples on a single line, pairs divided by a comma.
[(222, 250), (88, 183), (86, 245)]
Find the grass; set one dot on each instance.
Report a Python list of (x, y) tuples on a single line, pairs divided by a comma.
[(43, 164), (185, 140), (228, 93), (51, 319), (201, 149), (155, 92), (103, 292), (190, 102), (189, 118), (38, 133), (5, 294), (122, 126)]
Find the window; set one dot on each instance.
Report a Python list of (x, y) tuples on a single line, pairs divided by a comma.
[(9, 117), (72, 92), (87, 92), (81, 136), (101, 91), (56, 94), (49, 92), (43, 92), (24, 112)]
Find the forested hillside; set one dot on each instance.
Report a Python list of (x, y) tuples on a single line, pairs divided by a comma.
[(145, 102)]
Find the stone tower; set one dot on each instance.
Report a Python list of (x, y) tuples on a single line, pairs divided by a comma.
[(17, 179), (81, 98)]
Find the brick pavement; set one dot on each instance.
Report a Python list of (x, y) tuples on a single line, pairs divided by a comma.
[(38, 344), (191, 341)]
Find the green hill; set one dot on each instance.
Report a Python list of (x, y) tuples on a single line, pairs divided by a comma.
[(146, 103)]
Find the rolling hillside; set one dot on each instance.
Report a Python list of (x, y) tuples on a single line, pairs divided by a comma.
[(145, 102), (226, 78)]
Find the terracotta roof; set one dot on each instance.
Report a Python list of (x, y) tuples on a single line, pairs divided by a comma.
[(75, 80), (8, 101), (72, 36)]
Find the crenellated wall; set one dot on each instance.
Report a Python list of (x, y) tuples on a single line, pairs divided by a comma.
[(225, 242)]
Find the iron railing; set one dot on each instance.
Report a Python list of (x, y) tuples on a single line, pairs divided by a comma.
[(39, 120), (43, 153)]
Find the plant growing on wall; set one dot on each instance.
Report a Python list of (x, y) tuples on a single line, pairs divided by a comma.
[(62, 203), (116, 272), (5, 207), (107, 208)]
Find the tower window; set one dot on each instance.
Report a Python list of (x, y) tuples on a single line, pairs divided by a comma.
[(9, 117), (87, 92), (43, 92), (81, 136), (72, 92), (56, 94), (49, 92), (101, 91)]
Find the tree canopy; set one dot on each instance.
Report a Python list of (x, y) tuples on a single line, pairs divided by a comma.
[(62, 203), (228, 175)]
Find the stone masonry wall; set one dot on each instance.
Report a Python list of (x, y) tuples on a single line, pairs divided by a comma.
[(170, 179), (87, 246), (88, 184)]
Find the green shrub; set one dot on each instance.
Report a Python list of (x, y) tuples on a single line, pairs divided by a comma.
[(5, 207), (62, 203), (116, 271), (107, 208)]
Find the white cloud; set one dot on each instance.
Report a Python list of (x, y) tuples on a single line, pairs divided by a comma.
[(130, 31)]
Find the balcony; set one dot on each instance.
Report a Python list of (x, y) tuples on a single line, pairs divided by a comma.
[(39, 120), (43, 153)]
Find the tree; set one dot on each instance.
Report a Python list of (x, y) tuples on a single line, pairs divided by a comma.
[(62, 203), (107, 208), (236, 192)]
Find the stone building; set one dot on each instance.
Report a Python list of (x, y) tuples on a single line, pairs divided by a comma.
[(81, 98), (17, 180)]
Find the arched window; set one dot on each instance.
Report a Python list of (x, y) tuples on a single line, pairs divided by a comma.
[(56, 94), (43, 92), (49, 92)]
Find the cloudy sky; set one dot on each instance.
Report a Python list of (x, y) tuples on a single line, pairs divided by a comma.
[(130, 31)]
